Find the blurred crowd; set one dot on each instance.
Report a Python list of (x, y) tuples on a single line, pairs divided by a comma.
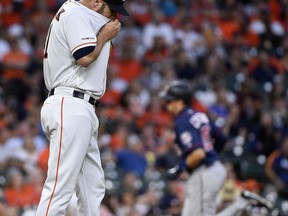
[(233, 52)]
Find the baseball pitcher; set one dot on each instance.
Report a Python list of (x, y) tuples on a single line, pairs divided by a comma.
[(75, 62)]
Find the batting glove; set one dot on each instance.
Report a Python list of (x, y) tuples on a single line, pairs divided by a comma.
[(175, 171)]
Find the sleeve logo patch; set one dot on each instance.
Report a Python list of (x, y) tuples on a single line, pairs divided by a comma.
[(186, 138), (88, 38)]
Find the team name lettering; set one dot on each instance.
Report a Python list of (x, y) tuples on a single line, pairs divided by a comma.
[(199, 119)]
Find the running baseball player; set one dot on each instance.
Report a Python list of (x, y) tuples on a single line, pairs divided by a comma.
[(199, 158), (76, 56)]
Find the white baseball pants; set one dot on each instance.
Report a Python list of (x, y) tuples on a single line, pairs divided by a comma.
[(71, 126)]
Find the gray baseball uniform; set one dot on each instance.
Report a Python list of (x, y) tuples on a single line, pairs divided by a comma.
[(193, 135)]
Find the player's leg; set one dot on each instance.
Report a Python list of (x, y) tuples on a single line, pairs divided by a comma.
[(202, 189), (90, 188), (193, 198), (213, 180), (70, 134)]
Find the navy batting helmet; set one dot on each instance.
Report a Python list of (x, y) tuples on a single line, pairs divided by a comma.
[(176, 90)]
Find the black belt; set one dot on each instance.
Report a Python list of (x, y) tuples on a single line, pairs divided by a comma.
[(78, 94)]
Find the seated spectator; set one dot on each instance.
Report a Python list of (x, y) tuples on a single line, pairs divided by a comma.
[(157, 28), (172, 200), (13, 14), (128, 64), (119, 137), (133, 158), (17, 192), (42, 159), (264, 68), (229, 25), (277, 168), (270, 31), (158, 52), (136, 98), (184, 67), (155, 115), (15, 62), (191, 40), (168, 156), (34, 184), (140, 11), (28, 153), (147, 203), (127, 203)]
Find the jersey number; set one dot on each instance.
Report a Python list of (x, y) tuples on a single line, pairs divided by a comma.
[(57, 17), (206, 138), (200, 121)]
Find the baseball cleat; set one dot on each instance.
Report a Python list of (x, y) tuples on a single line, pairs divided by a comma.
[(260, 201)]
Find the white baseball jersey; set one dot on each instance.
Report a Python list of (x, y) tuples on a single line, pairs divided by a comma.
[(75, 27)]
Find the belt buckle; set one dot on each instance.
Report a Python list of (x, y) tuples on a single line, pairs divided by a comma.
[(78, 94)]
